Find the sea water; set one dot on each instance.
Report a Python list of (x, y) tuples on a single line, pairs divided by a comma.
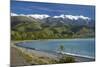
[(78, 47)]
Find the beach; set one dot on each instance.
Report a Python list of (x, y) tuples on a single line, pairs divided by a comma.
[(37, 57)]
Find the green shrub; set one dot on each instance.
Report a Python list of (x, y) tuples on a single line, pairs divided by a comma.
[(66, 59)]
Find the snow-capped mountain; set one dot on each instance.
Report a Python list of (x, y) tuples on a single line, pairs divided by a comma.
[(58, 20), (42, 16)]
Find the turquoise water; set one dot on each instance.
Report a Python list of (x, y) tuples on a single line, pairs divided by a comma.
[(80, 47)]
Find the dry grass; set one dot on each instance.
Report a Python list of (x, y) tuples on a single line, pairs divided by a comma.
[(34, 59)]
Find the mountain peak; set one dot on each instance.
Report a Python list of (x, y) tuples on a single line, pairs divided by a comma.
[(72, 17), (42, 16)]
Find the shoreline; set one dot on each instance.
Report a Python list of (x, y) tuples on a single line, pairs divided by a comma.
[(45, 54), (54, 39), (25, 41), (57, 52), (77, 55), (68, 54)]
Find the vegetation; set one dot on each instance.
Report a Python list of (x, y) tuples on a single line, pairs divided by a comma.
[(33, 59), (25, 28), (61, 48), (51, 33), (63, 57), (66, 59), (27, 57)]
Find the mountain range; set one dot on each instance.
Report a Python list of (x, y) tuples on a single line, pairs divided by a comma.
[(54, 20), (48, 27)]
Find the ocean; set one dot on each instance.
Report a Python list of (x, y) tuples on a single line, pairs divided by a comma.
[(77, 47)]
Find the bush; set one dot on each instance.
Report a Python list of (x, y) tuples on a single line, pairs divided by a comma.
[(66, 59)]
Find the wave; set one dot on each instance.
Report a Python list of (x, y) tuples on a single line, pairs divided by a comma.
[(75, 55)]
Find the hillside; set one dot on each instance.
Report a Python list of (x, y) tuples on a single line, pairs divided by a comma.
[(27, 27)]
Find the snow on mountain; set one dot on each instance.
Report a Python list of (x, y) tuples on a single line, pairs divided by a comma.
[(72, 17), (36, 16), (42, 16), (14, 14)]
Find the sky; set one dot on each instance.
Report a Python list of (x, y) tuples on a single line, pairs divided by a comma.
[(52, 9)]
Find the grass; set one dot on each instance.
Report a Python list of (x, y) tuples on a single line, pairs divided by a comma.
[(27, 57), (36, 60), (33, 59)]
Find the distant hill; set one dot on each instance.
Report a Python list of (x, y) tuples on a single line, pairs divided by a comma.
[(54, 27)]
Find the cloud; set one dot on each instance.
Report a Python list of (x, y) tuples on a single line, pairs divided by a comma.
[(41, 16)]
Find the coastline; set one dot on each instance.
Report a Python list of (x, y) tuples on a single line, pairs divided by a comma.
[(55, 39), (51, 56), (73, 54), (78, 55), (37, 57)]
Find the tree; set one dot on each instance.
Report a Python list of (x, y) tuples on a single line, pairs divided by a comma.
[(61, 47)]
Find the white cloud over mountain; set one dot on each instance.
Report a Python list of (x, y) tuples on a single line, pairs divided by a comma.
[(41, 16)]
